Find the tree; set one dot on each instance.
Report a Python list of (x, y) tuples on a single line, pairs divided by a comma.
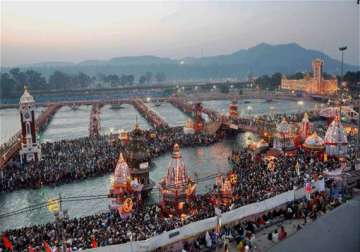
[(84, 80), (142, 79), (19, 77), (7, 85), (148, 76), (113, 79), (126, 79), (224, 89), (35, 80), (59, 80), (160, 77), (296, 76)]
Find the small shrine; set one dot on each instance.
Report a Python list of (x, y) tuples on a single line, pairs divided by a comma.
[(199, 121), (177, 188), (336, 143), (304, 130), (189, 127), (233, 110), (137, 156), (224, 195), (125, 192), (314, 143), (283, 137), (123, 136)]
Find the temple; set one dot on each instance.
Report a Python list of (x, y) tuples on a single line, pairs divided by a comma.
[(283, 137), (176, 188), (137, 156), (336, 142), (124, 190), (312, 85)]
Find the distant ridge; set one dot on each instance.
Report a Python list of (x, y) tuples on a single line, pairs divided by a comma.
[(261, 59)]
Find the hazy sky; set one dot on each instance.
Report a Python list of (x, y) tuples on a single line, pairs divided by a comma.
[(74, 31)]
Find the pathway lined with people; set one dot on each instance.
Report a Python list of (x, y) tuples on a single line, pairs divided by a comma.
[(149, 114)]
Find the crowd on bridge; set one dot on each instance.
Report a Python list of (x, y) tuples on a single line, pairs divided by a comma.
[(72, 160), (256, 182)]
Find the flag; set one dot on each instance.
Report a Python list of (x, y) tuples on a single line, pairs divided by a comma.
[(31, 249), (94, 243), (47, 247), (53, 205), (7, 243)]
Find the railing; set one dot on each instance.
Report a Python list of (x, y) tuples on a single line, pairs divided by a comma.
[(153, 118), (195, 228)]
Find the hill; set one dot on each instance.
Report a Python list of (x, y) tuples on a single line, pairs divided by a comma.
[(258, 60)]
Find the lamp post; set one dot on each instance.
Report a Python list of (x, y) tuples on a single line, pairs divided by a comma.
[(358, 133), (341, 49)]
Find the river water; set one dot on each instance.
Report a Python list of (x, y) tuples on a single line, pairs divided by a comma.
[(10, 122), (261, 107), (67, 123), (113, 120)]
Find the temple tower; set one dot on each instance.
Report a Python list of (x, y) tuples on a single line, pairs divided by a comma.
[(317, 66), (30, 149)]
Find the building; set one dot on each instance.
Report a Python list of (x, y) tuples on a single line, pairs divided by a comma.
[(30, 149), (312, 85), (137, 156)]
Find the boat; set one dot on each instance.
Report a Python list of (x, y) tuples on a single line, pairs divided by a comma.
[(247, 101), (157, 103), (116, 106), (74, 107), (123, 135), (259, 146), (269, 100)]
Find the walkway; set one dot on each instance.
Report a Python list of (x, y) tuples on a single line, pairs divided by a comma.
[(150, 115)]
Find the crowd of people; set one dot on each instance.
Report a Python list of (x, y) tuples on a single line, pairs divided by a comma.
[(71, 160), (242, 235), (256, 182)]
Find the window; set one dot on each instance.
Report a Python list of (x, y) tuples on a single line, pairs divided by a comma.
[(28, 128)]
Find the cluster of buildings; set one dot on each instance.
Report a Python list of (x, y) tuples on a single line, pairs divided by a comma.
[(312, 85), (335, 142)]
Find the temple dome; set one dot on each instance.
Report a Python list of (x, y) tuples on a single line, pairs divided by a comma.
[(26, 97), (335, 134), (336, 142), (314, 142)]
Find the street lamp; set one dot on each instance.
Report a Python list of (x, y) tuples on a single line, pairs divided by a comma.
[(358, 133), (341, 49)]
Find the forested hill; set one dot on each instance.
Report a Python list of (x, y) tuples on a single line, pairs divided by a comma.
[(261, 59)]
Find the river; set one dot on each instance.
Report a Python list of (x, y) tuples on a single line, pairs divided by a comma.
[(67, 123)]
